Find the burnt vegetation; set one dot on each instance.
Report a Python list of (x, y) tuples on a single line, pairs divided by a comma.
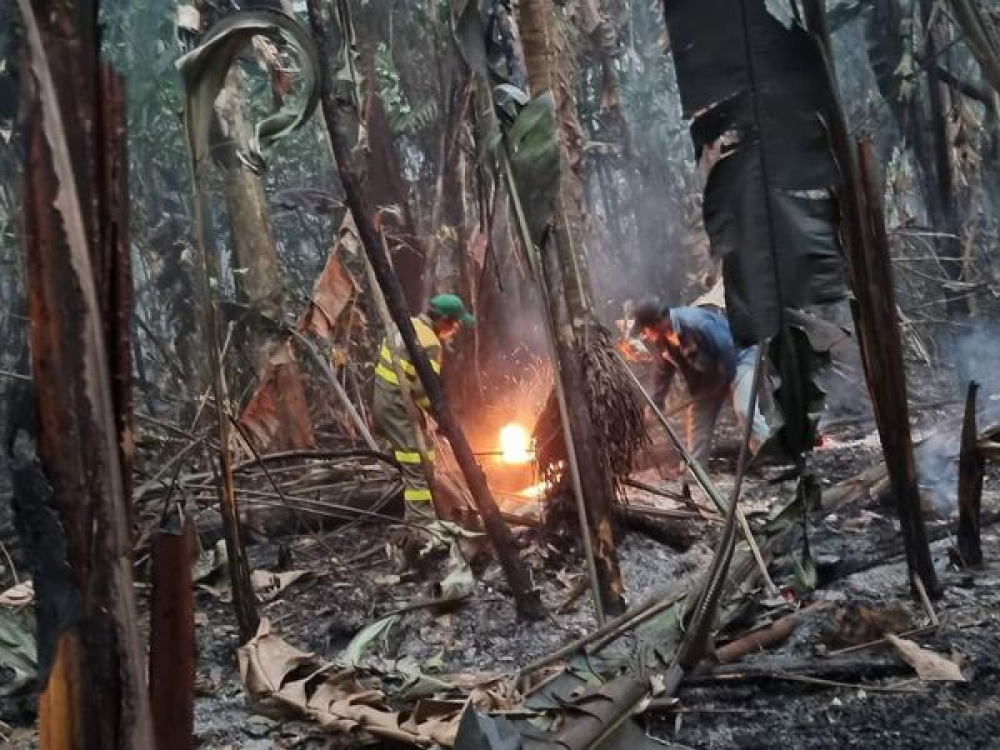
[(219, 223)]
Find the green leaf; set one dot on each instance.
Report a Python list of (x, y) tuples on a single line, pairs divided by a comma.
[(18, 652), (533, 150), (204, 70), (371, 637), (805, 572)]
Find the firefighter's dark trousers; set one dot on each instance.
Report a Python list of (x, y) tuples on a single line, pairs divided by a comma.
[(392, 422)]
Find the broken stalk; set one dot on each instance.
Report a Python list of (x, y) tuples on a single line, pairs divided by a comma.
[(702, 615), (706, 483), (534, 263)]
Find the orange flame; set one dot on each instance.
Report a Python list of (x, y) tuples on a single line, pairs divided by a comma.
[(515, 445)]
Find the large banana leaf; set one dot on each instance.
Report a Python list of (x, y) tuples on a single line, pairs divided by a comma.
[(756, 85), (533, 150), (204, 70), (747, 77)]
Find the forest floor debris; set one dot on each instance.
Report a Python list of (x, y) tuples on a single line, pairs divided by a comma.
[(348, 598)]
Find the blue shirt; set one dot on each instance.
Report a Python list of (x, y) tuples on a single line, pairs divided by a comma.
[(706, 355)]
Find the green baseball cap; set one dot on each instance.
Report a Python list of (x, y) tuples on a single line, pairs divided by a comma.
[(451, 306)]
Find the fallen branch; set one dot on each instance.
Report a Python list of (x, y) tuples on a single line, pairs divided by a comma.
[(759, 640), (632, 617), (816, 668)]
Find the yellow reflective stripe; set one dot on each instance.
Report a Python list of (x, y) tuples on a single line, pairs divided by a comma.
[(385, 357), (411, 457), (405, 364), (417, 495), (386, 374), (423, 402)]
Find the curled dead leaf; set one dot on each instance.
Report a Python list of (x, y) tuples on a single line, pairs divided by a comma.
[(927, 664)]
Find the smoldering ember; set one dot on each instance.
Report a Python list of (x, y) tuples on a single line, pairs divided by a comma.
[(499, 375)]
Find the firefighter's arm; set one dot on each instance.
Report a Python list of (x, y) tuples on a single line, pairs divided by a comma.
[(664, 381)]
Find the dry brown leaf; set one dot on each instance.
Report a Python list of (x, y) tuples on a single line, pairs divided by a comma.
[(277, 416), (927, 664), (333, 291), (277, 674), (268, 585), (18, 596), (266, 660)]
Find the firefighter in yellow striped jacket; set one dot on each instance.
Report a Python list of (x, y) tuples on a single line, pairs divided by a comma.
[(445, 314)]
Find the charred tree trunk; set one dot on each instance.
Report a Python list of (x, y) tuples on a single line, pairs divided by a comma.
[(571, 307), (971, 471), (882, 354), (875, 313), (385, 187), (171, 637), (452, 253), (74, 509), (944, 207), (341, 120)]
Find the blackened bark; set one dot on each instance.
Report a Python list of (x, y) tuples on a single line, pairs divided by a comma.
[(971, 473), (171, 637), (79, 287), (944, 207), (882, 353), (875, 316)]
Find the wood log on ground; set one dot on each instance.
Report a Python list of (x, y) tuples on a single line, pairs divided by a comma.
[(776, 633), (674, 533), (891, 552)]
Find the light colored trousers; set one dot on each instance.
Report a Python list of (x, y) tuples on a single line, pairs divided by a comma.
[(703, 414)]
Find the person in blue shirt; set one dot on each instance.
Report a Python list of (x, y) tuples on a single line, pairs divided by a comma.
[(697, 342)]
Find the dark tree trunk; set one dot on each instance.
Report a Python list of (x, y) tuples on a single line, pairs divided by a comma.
[(79, 289), (882, 353), (875, 313), (971, 473), (341, 116), (571, 306), (171, 637), (944, 207)]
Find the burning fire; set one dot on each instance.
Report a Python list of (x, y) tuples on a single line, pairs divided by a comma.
[(515, 445), (535, 491)]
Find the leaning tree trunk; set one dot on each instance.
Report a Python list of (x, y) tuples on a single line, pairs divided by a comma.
[(547, 58), (72, 500), (341, 115)]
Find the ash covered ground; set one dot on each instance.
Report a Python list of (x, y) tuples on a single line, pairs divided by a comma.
[(357, 576)]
